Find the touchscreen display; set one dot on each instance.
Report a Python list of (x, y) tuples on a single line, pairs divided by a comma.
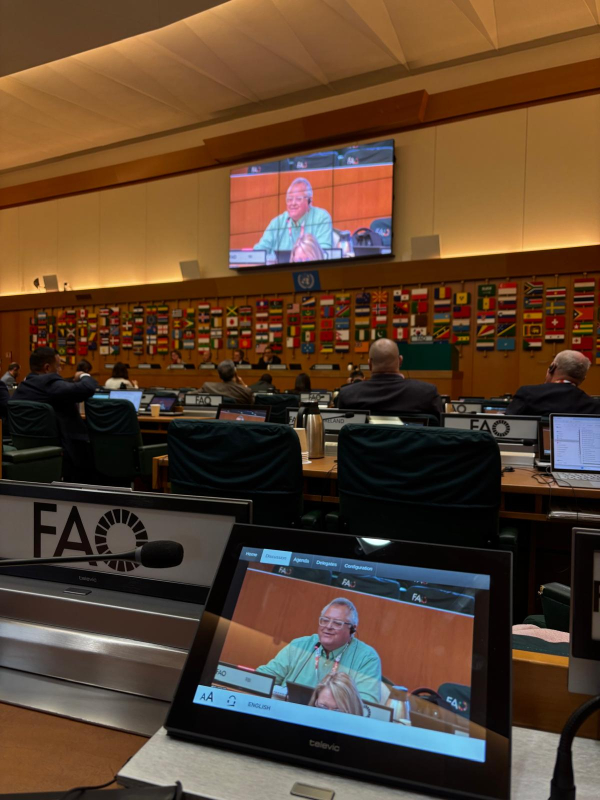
[(342, 645)]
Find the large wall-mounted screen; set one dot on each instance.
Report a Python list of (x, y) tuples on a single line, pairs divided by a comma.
[(330, 205)]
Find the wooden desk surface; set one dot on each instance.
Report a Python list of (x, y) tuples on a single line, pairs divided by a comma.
[(521, 481), (41, 752)]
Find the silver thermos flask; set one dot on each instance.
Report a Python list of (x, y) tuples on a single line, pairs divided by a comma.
[(309, 417)]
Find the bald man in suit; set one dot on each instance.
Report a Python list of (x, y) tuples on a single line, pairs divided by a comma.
[(388, 390)]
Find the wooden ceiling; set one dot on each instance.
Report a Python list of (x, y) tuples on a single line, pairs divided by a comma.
[(236, 57)]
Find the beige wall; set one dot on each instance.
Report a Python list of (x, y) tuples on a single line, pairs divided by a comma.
[(523, 179)]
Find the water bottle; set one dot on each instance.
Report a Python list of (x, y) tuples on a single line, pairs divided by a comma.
[(309, 417), (400, 704)]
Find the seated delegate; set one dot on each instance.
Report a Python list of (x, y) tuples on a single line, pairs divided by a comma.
[(337, 692), (120, 378), (268, 357), (231, 384), (334, 648), (44, 384), (387, 390), (560, 392), (299, 218)]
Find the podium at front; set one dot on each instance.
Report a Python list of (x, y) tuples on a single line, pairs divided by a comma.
[(433, 362)]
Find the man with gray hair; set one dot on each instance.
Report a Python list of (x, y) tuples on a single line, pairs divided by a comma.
[(231, 384), (300, 218), (560, 392), (309, 659)]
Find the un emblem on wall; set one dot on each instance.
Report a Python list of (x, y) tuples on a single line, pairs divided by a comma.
[(306, 280), (501, 428)]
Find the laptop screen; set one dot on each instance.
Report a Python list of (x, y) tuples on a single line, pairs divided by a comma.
[(146, 399), (546, 447), (165, 403), (243, 414), (575, 443), (133, 397)]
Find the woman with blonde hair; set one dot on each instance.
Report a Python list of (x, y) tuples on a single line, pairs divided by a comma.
[(306, 248), (337, 692)]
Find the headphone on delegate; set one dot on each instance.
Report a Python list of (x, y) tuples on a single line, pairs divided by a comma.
[(552, 368), (352, 630)]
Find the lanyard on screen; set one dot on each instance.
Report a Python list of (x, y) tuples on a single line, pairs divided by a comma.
[(290, 229), (336, 663)]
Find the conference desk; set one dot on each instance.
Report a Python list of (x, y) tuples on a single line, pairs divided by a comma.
[(447, 381), (535, 488)]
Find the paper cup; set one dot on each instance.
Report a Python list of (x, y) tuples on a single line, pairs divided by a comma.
[(155, 410), (302, 436)]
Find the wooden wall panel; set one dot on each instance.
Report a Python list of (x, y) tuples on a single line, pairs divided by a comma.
[(171, 230), (565, 164), (9, 250), (38, 242), (418, 646), (79, 238), (479, 184), (123, 235), (485, 373)]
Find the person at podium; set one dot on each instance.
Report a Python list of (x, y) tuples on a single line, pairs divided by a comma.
[(387, 390), (300, 217), (333, 648)]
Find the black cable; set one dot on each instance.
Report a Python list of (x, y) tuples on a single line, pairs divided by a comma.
[(177, 794), (80, 789), (562, 785)]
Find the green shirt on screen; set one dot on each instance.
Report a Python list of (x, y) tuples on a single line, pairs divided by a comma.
[(296, 663), (282, 232)]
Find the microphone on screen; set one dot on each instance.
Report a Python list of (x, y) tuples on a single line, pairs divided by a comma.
[(162, 554)]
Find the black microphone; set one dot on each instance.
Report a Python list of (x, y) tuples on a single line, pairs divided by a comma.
[(310, 655), (155, 555)]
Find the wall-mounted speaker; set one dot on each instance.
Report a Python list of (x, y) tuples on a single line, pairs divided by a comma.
[(424, 247), (190, 270), (50, 283)]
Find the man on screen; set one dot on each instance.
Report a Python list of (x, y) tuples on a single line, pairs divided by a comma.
[(300, 218), (309, 659)]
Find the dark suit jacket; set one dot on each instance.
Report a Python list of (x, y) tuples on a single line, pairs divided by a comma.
[(263, 365), (544, 399), (64, 397), (391, 392), (4, 397)]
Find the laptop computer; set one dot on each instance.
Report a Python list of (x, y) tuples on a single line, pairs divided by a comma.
[(243, 413), (166, 404), (494, 406), (147, 398), (101, 396), (132, 395), (545, 446), (575, 455)]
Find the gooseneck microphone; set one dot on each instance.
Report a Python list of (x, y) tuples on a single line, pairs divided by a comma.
[(308, 658), (562, 786), (154, 555)]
